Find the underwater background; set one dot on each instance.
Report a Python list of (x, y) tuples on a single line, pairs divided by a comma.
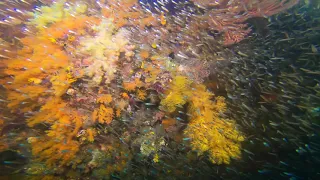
[(185, 89)]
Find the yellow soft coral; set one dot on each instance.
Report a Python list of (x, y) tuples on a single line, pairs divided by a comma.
[(55, 13), (178, 94), (35, 80), (48, 14), (172, 101), (210, 132)]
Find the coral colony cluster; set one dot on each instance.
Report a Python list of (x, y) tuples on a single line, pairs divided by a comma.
[(103, 84)]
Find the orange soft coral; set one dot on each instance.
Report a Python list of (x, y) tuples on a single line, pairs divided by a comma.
[(57, 146), (69, 24), (48, 112), (118, 113), (91, 134), (61, 82), (106, 98), (103, 114), (53, 151), (37, 60), (144, 54), (129, 86), (141, 94), (168, 122), (132, 85), (125, 13), (65, 122), (125, 95)]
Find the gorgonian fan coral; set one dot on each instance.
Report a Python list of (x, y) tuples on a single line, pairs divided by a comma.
[(229, 17)]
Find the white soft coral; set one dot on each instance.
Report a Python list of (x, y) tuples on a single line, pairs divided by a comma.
[(104, 50)]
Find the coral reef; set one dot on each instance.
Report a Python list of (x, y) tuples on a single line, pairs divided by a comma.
[(82, 82), (99, 88)]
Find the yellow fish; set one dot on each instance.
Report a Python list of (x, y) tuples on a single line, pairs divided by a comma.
[(163, 19), (35, 80), (154, 45)]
